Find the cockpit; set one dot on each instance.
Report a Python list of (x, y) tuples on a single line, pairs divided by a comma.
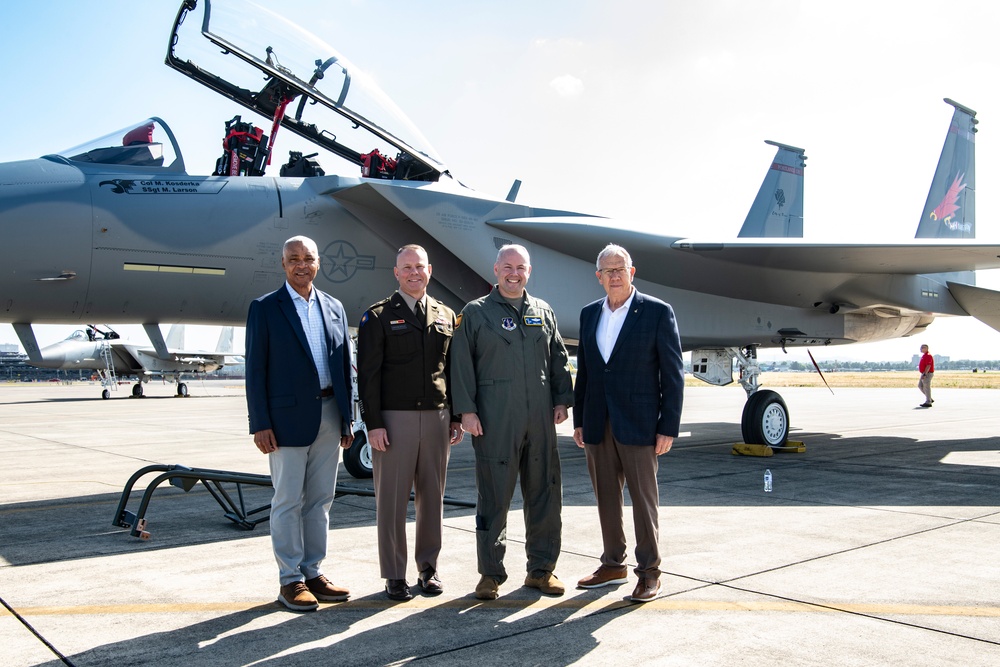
[(274, 68), (259, 59), (148, 144)]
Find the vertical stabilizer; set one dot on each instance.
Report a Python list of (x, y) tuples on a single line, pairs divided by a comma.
[(175, 337), (777, 210), (950, 211), (225, 343)]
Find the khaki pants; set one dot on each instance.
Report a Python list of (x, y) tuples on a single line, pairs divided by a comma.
[(924, 385)]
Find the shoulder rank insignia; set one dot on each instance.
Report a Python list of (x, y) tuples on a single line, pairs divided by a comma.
[(364, 318)]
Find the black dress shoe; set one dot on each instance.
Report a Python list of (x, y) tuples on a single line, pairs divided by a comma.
[(429, 582), (398, 589)]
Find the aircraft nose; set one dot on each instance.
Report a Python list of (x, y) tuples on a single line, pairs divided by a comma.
[(53, 356)]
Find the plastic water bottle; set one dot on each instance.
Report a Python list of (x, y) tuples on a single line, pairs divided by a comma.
[(767, 481)]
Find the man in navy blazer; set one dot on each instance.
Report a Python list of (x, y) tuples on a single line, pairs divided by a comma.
[(627, 411), (298, 386)]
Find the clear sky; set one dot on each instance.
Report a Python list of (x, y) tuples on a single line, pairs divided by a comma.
[(650, 112)]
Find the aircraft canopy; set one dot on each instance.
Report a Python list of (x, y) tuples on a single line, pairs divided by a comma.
[(148, 143), (269, 65)]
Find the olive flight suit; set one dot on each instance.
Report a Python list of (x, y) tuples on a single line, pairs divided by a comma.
[(511, 368)]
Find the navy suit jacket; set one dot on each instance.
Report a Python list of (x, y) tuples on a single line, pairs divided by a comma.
[(640, 389), (282, 385)]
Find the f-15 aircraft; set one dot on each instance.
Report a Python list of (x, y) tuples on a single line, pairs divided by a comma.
[(103, 350), (133, 237)]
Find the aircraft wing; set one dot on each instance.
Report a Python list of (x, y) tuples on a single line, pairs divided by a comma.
[(981, 303), (915, 257), (779, 271), (579, 236)]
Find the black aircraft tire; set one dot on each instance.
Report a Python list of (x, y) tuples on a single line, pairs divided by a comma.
[(137, 390), (765, 419), (182, 389), (106, 394), (358, 458)]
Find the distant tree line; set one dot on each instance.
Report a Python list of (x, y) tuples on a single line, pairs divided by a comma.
[(870, 366)]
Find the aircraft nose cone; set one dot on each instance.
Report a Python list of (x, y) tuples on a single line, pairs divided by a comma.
[(53, 356)]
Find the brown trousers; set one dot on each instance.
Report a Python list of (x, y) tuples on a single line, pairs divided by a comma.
[(612, 465), (417, 459)]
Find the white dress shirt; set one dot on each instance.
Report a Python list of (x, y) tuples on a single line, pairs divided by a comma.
[(610, 325)]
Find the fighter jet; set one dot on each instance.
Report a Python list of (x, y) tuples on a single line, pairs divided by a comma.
[(131, 236), (102, 350)]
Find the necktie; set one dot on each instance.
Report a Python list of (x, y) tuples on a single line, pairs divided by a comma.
[(418, 309)]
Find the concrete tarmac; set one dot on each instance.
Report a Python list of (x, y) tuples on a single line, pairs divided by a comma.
[(879, 545)]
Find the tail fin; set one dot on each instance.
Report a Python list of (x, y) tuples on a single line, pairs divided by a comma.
[(175, 337), (777, 210), (225, 343), (950, 211)]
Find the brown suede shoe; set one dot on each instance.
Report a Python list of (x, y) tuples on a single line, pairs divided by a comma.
[(297, 597), (487, 588), (546, 582), (324, 590), (605, 575), (646, 590)]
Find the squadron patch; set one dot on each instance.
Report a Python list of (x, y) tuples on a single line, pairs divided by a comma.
[(508, 324), (364, 318), (532, 321)]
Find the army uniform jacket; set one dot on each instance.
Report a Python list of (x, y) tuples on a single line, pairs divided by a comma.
[(508, 366), (403, 363)]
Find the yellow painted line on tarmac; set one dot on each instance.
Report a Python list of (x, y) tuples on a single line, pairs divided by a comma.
[(574, 603)]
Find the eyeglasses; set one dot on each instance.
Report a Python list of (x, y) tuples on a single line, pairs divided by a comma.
[(619, 272)]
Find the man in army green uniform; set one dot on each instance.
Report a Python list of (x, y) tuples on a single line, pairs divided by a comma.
[(511, 383), (403, 346)]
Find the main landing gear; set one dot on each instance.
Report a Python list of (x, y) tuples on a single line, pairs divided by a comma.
[(765, 415), (358, 457)]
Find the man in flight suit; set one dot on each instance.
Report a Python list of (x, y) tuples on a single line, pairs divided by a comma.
[(511, 383), (402, 376)]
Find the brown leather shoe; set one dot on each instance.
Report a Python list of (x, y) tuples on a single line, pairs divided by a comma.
[(324, 590), (297, 597), (487, 588), (605, 575), (398, 589), (546, 582), (430, 583), (646, 590)]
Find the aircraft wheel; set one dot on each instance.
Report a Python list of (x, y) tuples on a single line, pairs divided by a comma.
[(182, 389), (358, 459), (765, 419), (137, 390), (106, 394)]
